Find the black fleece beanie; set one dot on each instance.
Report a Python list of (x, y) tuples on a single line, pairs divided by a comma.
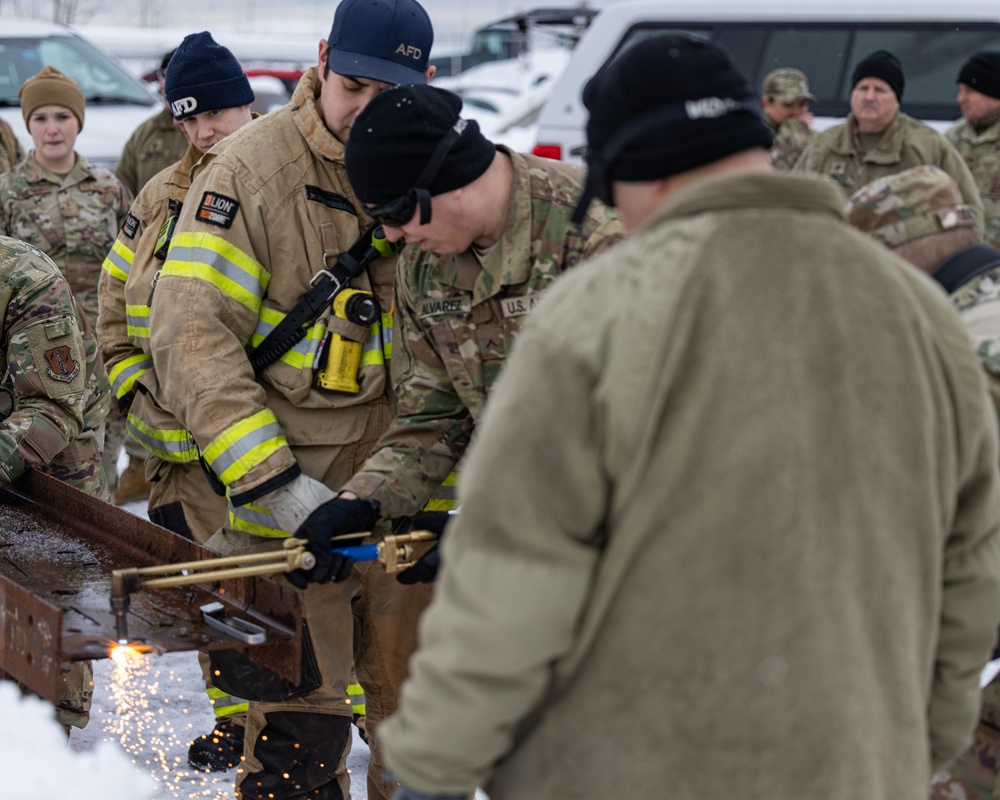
[(881, 64), (982, 73), (395, 136), (667, 105)]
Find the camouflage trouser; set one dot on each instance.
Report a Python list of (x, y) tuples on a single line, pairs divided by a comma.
[(76, 691), (80, 465), (975, 775)]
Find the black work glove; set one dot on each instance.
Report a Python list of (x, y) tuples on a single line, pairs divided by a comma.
[(334, 518), (427, 566)]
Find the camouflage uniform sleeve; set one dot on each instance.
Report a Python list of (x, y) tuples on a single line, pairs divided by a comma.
[(953, 163), (46, 362), (432, 427)]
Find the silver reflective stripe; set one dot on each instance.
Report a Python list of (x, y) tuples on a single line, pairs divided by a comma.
[(445, 493), (129, 374), (307, 349), (119, 261), (171, 445), (254, 520), (242, 446), (221, 264), (138, 323)]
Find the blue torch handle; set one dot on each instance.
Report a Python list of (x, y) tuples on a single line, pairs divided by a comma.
[(361, 552)]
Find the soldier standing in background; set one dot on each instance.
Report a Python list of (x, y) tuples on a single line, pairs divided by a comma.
[(158, 143), (11, 151), (785, 100), (977, 135), (920, 215), (878, 139), (55, 398), (68, 208)]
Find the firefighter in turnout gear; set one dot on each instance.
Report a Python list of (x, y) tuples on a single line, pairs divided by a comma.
[(268, 214), (215, 96)]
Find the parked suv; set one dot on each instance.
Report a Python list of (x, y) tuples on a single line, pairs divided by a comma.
[(826, 40), (116, 101)]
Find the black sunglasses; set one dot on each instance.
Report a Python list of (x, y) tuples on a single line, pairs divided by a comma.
[(399, 211)]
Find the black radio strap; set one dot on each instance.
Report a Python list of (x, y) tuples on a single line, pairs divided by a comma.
[(325, 286)]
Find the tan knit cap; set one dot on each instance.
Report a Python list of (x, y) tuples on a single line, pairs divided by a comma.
[(50, 87)]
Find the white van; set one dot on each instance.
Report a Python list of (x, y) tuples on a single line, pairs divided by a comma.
[(824, 39), (116, 101)]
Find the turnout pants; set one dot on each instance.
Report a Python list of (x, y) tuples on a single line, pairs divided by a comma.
[(366, 625)]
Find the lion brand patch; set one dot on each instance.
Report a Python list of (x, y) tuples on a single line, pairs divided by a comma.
[(131, 225), (62, 365), (217, 209)]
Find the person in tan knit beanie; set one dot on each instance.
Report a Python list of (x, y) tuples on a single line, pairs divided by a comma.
[(50, 87)]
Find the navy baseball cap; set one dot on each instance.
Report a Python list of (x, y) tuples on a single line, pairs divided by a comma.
[(382, 40)]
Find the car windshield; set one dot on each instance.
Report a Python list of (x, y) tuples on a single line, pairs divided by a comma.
[(101, 79)]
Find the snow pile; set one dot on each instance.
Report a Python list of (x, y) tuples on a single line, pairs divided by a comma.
[(37, 764)]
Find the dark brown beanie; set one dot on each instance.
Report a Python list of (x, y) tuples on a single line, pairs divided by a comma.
[(50, 87)]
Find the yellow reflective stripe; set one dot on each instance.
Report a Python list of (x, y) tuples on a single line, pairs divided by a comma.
[(212, 259), (118, 263), (241, 447), (304, 354), (356, 696), (137, 321), (123, 374), (175, 445), (254, 520), (225, 705), (445, 497), (387, 335), (372, 354)]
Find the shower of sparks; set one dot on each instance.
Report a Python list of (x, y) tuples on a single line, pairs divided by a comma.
[(144, 722)]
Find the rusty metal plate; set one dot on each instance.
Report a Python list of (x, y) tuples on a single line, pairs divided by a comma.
[(58, 547)]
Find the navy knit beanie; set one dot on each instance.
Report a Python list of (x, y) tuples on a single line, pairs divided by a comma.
[(881, 64), (204, 76)]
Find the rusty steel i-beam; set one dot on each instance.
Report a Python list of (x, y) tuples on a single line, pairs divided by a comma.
[(58, 549)]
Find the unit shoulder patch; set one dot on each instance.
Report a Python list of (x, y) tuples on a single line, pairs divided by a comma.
[(62, 365), (131, 225), (217, 209)]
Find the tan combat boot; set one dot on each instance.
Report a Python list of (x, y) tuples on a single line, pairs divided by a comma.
[(132, 484)]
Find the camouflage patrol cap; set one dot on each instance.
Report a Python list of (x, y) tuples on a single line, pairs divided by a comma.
[(918, 202), (786, 85)]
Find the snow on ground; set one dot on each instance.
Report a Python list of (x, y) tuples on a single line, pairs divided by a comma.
[(148, 712)]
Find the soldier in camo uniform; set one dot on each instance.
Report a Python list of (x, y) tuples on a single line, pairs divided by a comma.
[(65, 206), (56, 397), (977, 135), (785, 101), (484, 245), (921, 216), (879, 140)]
